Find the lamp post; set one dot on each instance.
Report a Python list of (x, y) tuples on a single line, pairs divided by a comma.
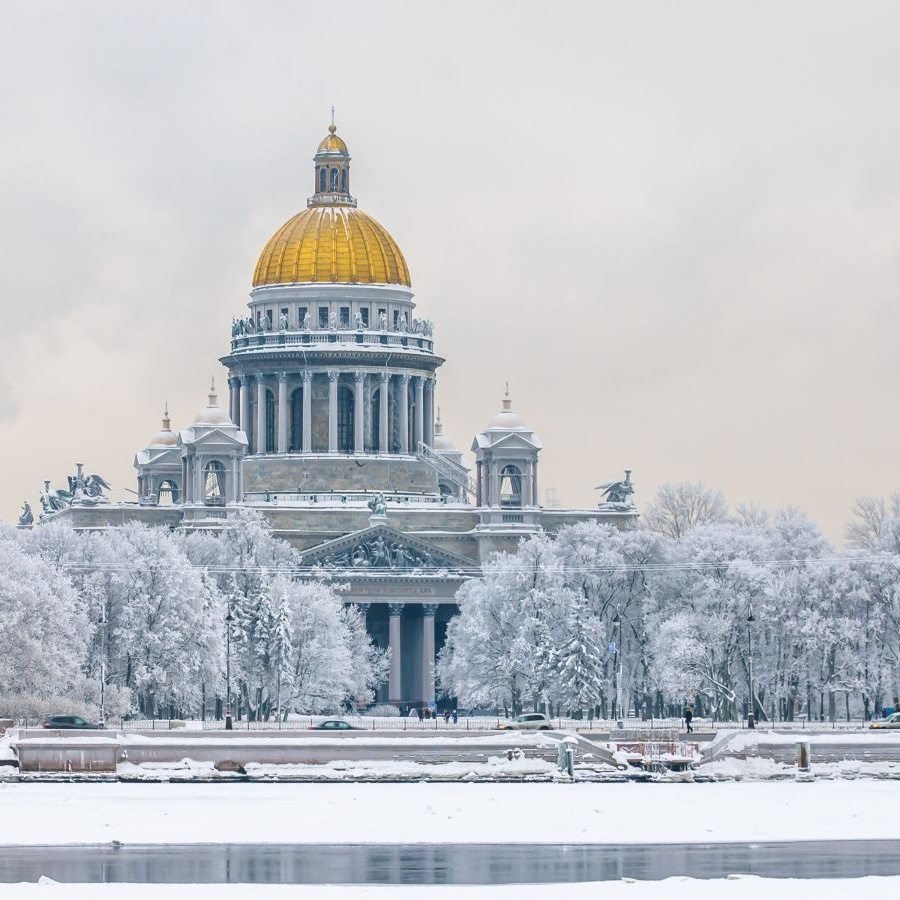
[(751, 718), (617, 670), (229, 618), (102, 624)]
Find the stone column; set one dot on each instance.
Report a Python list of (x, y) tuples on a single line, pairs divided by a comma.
[(495, 484), (332, 410), (428, 612), (244, 419), (282, 412), (419, 433), (396, 610), (479, 487), (359, 422), (383, 445), (307, 412), (404, 413), (429, 412), (234, 400), (259, 445), (534, 484)]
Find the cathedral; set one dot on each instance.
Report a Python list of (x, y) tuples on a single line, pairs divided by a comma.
[(330, 428)]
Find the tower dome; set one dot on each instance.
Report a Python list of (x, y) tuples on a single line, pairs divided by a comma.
[(331, 241), (165, 437), (213, 414), (506, 418)]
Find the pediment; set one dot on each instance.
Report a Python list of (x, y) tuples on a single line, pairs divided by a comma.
[(383, 550), (214, 436), (516, 442)]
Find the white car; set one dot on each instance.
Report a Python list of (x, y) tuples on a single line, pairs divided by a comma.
[(527, 722)]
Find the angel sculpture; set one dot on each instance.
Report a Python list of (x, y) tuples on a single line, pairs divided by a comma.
[(377, 505), (618, 493), (53, 501)]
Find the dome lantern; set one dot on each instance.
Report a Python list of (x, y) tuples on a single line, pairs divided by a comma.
[(332, 171)]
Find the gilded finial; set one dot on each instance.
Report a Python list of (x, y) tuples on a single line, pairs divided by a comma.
[(213, 396), (507, 403), (332, 127), (166, 422)]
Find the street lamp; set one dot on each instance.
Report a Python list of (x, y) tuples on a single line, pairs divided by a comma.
[(617, 668), (229, 618), (751, 718)]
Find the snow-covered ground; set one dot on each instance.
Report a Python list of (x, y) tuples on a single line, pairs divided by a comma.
[(740, 888), (458, 812)]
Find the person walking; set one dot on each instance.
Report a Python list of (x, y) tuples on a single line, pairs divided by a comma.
[(688, 715)]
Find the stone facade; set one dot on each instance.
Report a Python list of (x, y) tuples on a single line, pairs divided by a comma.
[(331, 381)]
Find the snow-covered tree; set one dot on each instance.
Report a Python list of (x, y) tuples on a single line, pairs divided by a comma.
[(677, 508)]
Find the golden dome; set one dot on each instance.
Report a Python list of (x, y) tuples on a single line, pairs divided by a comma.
[(331, 245), (331, 143)]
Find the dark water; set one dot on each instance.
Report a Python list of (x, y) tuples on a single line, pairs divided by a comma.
[(443, 863)]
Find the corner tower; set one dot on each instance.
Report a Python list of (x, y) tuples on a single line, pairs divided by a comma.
[(331, 373)]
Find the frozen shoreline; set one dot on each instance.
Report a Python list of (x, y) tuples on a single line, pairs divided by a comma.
[(440, 813)]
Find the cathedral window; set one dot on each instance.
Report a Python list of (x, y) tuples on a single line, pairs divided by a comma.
[(168, 493), (345, 317), (214, 484), (270, 422), (323, 317), (510, 487), (297, 422), (345, 420), (364, 315), (334, 179), (343, 181), (322, 176)]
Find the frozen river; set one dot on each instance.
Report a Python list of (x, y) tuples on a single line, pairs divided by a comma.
[(443, 863)]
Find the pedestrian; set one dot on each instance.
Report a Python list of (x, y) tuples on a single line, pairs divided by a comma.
[(455, 716), (688, 715), (419, 713), (446, 715)]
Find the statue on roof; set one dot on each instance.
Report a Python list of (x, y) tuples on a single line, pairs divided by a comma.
[(618, 493), (377, 505), (26, 517)]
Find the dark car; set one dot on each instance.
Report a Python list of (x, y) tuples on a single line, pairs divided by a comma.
[(334, 725), (68, 722)]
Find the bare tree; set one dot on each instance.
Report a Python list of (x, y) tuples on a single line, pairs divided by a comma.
[(873, 515), (677, 508)]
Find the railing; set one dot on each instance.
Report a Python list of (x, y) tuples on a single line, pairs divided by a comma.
[(469, 723), (445, 467), (273, 340), (345, 498)]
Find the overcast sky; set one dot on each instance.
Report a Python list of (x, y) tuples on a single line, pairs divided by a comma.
[(673, 228)]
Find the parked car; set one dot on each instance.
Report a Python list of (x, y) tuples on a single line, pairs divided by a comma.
[(892, 721), (68, 722), (334, 725), (527, 722)]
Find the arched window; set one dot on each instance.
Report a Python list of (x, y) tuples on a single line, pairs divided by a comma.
[(376, 421), (445, 489), (345, 420), (323, 175), (168, 493), (297, 422), (214, 484), (343, 181), (511, 487), (270, 422), (334, 179)]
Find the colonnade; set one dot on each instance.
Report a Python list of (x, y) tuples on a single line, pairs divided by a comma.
[(395, 426), (395, 643)]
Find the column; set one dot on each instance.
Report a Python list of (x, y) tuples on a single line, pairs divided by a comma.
[(244, 420), (359, 420), (332, 410), (479, 489), (307, 412), (404, 414), (495, 484), (282, 412), (383, 414), (428, 611), (396, 610), (259, 445), (234, 400), (429, 412), (420, 411), (534, 484)]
